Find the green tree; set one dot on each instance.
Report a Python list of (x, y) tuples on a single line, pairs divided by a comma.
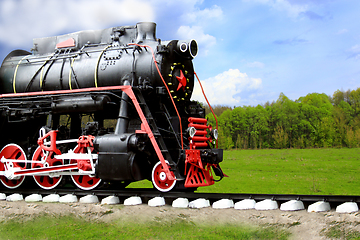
[(354, 99), (318, 112), (338, 96), (239, 127), (315, 120), (225, 138), (285, 113), (280, 137)]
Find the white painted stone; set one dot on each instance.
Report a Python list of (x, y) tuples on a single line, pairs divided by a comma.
[(245, 204), (156, 202), (14, 197), (89, 199), (347, 207), (266, 204), (110, 200), (51, 198), (320, 206), (2, 196), (34, 198), (223, 203), (180, 203), (292, 205), (199, 203), (68, 198), (131, 201)]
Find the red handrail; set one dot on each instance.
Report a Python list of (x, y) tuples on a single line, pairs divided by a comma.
[(172, 100), (208, 105)]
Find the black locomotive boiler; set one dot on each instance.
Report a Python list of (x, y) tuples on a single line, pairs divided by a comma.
[(106, 106)]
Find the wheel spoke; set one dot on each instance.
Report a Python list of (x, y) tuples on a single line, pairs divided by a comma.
[(85, 182), (45, 182), (160, 180), (12, 151)]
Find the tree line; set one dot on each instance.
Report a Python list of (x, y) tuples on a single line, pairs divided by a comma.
[(316, 120)]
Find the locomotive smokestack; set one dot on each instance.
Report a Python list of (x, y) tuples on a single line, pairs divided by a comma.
[(146, 31)]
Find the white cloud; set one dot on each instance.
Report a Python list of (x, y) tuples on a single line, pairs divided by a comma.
[(225, 87), (204, 16), (205, 41), (255, 64), (195, 22), (292, 8), (354, 52), (24, 20), (342, 31)]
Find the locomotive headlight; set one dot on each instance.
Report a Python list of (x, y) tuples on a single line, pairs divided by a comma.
[(187, 48), (191, 131), (193, 48), (182, 46), (214, 134)]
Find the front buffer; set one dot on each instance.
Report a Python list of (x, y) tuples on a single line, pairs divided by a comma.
[(200, 159)]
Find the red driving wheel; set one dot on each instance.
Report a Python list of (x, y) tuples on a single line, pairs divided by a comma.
[(85, 182), (14, 152), (160, 180), (44, 181)]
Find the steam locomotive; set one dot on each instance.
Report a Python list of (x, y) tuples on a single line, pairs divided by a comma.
[(105, 106)]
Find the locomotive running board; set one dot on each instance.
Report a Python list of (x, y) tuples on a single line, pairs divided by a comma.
[(145, 128)]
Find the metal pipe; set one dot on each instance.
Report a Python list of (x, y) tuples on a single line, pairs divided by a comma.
[(123, 119)]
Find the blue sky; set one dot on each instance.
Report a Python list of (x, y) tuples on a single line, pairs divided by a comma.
[(249, 50)]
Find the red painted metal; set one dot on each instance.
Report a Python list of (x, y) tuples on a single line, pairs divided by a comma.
[(94, 89), (162, 183), (45, 182), (84, 165), (15, 152), (202, 89), (200, 132), (52, 148), (200, 144), (200, 140), (182, 81), (198, 126), (198, 175), (198, 120), (85, 182), (83, 143), (67, 43)]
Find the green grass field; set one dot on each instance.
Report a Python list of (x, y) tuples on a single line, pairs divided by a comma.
[(71, 227), (288, 171)]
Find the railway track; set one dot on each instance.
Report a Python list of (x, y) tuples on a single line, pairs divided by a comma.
[(146, 194)]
